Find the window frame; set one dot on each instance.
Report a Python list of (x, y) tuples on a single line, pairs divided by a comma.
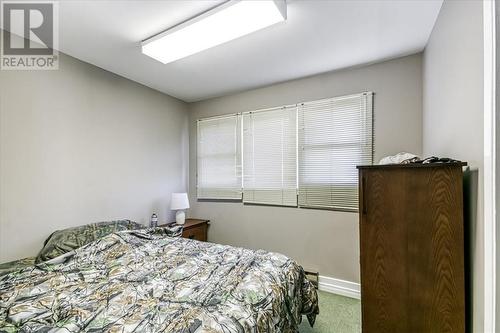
[(364, 142), (286, 191), (237, 165), (369, 142)]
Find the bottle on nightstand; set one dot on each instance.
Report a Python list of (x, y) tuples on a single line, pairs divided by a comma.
[(154, 221)]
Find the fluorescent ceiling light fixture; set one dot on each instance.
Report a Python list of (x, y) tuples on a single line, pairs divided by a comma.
[(226, 22)]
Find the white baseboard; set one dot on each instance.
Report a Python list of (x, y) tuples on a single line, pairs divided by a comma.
[(340, 287)]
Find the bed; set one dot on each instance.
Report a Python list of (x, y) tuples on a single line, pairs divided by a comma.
[(150, 280)]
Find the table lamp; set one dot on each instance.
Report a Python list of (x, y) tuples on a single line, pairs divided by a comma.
[(179, 202)]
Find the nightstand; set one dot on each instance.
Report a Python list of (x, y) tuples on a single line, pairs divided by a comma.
[(196, 229)]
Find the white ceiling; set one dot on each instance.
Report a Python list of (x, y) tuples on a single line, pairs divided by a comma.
[(319, 36)]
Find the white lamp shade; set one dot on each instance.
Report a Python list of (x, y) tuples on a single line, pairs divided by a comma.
[(179, 201)]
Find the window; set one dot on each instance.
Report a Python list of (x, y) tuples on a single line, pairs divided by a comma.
[(335, 135), (270, 156), (302, 155), (219, 158)]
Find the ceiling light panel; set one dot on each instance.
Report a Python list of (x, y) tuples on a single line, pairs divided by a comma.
[(224, 23)]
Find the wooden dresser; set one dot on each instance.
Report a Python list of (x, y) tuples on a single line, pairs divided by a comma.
[(412, 248)]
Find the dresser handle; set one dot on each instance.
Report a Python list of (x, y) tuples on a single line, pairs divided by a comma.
[(191, 236)]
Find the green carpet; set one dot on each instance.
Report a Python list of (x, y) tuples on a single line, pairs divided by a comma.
[(336, 314)]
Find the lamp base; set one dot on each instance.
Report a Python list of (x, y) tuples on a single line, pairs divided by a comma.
[(180, 217)]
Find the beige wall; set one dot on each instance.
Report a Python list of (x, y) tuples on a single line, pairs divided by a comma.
[(79, 145), (453, 111), (322, 240)]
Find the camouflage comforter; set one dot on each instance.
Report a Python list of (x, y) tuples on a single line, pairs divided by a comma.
[(144, 281)]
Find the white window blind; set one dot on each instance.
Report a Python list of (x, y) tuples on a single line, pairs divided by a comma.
[(219, 158), (270, 156), (334, 135)]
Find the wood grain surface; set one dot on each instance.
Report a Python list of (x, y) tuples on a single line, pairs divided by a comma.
[(412, 249)]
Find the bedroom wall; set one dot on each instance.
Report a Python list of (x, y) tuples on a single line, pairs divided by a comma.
[(321, 240), (80, 145), (453, 113)]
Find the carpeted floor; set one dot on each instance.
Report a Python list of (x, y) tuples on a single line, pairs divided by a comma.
[(336, 314)]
